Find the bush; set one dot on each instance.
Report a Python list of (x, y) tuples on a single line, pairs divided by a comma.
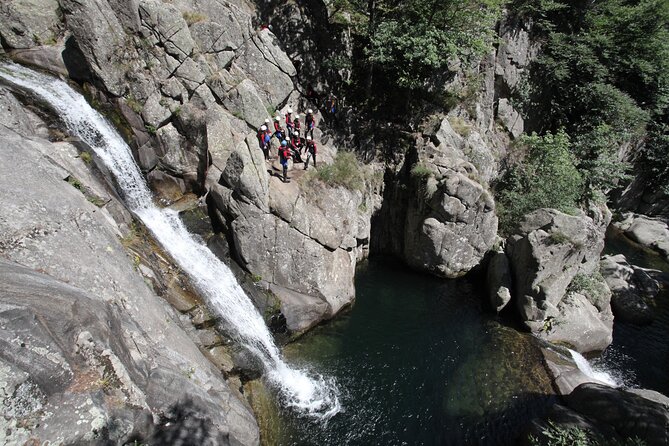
[(546, 178), (345, 171)]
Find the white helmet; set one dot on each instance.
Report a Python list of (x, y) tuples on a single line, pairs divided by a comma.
[(308, 138), (297, 116), (278, 118), (267, 121), (263, 128), (310, 111), (290, 110)]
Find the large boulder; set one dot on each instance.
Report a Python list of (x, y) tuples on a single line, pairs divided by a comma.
[(632, 288), (450, 224), (547, 252), (650, 232)]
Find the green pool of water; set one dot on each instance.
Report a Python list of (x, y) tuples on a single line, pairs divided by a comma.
[(418, 362)]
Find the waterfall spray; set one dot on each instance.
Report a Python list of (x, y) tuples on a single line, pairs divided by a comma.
[(313, 395), (599, 376)]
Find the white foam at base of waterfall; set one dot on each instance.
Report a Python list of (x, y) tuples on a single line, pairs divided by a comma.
[(600, 376), (312, 395)]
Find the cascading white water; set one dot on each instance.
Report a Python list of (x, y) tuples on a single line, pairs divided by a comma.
[(315, 396), (600, 376)]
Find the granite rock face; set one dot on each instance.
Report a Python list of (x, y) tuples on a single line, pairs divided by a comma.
[(82, 329)]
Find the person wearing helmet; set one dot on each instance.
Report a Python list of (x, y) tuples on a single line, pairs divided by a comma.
[(296, 146), (289, 123), (263, 140), (309, 123), (278, 130), (284, 155), (311, 152), (297, 126)]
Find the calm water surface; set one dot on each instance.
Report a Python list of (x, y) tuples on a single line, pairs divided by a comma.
[(419, 362)]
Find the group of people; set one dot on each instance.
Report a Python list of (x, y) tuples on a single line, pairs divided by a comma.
[(291, 142)]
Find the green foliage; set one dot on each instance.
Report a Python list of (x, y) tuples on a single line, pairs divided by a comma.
[(603, 75), (558, 238), (546, 178), (86, 157), (344, 171), (591, 286), (134, 104), (410, 40), (555, 435), (151, 129), (192, 17), (75, 183), (421, 171)]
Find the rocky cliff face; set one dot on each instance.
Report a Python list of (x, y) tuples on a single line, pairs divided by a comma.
[(189, 82), (89, 354)]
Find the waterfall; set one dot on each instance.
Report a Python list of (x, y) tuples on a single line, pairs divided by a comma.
[(599, 376), (312, 395)]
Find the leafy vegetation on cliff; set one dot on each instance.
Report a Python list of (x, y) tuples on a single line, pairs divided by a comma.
[(401, 44), (602, 79)]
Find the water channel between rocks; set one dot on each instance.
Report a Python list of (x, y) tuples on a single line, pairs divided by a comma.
[(419, 362), (640, 355)]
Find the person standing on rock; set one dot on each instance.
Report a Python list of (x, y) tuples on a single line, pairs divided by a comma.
[(284, 156), (309, 123), (311, 152), (263, 140), (290, 126), (297, 127), (278, 130)]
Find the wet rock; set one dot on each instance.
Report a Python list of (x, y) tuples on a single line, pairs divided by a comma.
[(45, 57), (120, 353), (632, 414), (300, 310), (167, 187)]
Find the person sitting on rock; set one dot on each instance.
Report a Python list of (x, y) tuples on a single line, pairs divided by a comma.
[(263, 140), (290, 126), (311, 152), (296, 147), (309, 123), (284, 156), (278, 130), (297, 127)]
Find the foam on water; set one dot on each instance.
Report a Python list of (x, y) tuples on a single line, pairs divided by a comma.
[(309, 393), (597, 375)]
